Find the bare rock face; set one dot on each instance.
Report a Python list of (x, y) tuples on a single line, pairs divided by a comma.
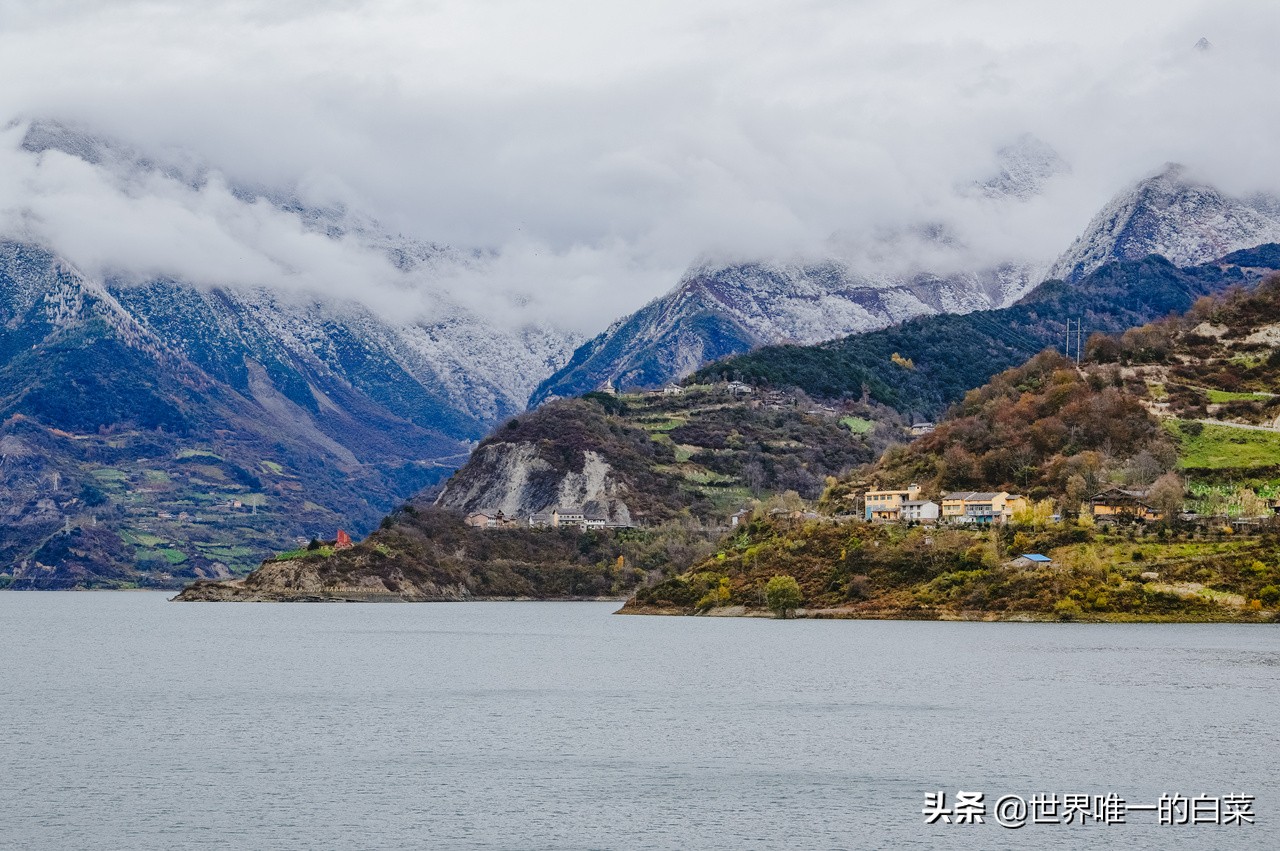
[(515, 479)]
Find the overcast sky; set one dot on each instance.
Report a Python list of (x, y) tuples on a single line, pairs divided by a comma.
[(600, 148)]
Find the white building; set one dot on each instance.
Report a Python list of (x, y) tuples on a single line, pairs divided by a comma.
[(919, 511)]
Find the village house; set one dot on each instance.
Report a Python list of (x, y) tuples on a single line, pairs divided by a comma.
[(919, 511), (737, 388), (1118, 505), (918, 429), (489, 518), (742, 515), (569, 516), (885, 506), (672, 390), (1032, 560), (981, 508)]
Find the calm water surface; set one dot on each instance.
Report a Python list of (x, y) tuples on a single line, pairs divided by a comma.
[(130, 722)]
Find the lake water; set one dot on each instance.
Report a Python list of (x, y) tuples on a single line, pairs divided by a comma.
[(129, 722)]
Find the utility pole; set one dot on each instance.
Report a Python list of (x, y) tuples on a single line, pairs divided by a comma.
[(1079, 340)]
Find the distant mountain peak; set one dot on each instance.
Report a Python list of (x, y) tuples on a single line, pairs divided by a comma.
[(1175, 215), (1203, 44), (1023, 168)]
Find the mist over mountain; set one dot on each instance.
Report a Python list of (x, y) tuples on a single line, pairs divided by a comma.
[(720, 311), (1172, 214), (157, 428)]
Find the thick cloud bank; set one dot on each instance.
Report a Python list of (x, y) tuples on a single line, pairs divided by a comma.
[(578, 155)]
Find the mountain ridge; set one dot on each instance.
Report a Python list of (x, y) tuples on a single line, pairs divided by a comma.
[(720, 311)]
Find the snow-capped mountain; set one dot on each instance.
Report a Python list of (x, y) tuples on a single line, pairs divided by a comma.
[(1023, 168), (133, 405), (718, 310), (1173, 215), (482, 369)]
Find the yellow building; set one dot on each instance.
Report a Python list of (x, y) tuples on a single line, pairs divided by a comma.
[(1117, 504), (981, 508), (887, 505)]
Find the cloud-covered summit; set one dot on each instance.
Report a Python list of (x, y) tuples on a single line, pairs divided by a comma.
[(579, 157)]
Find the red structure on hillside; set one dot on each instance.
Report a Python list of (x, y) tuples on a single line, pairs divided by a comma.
[(343, 542)]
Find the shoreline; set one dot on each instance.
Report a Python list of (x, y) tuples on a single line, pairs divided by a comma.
[(1263, 618)]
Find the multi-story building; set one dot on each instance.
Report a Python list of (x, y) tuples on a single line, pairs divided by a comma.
[(886, 505), (981, 508)]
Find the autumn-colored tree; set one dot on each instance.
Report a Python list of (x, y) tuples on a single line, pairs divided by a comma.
[(1076, 492), (782, 595), (1166, 496)]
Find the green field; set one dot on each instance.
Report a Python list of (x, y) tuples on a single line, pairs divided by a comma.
[(197, 453), (142, 539), (1219, 397), (1221, 447), (858, 425)]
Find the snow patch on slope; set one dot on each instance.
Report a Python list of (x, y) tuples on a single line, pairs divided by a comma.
[(1170, 214)]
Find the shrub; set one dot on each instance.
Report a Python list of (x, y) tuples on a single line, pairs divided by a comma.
[(782, 595), (1067, 610)]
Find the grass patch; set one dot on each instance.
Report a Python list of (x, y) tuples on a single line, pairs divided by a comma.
[(272, 467), (858, 425), (109, 474), (706, 477), (141, 539), (654, 424), (1248, 361), (1219, 397), (1221, 447), (225, 553), (293, 555), (197, 453)]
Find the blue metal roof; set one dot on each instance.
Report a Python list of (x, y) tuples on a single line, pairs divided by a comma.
[(1035, 557)]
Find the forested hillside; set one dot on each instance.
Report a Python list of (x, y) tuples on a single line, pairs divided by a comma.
[(925, 364)]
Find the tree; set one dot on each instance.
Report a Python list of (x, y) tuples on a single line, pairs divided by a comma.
[(1076, 492), (1166, 496), (782, 595), (753, 476)]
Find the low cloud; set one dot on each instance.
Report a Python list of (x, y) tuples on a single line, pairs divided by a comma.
[(579, 156)]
